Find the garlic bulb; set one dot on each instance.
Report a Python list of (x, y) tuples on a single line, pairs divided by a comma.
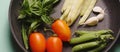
[(92, 21), (97, 9)]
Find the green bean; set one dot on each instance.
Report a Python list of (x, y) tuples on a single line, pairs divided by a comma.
[(83, 38), (85, 46)]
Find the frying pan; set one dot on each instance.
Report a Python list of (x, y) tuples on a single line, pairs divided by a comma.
[(111, 21)]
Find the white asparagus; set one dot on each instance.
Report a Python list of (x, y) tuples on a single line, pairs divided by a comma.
[(87, 13), (66, 3), (85, 6), (66, 12), (75, 11)]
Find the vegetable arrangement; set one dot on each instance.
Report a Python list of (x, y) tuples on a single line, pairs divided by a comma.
[(91, 40), (35, 13)]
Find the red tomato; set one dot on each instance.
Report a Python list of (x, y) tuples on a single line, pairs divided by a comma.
[(61, 28), (37, 42), (54, 44)]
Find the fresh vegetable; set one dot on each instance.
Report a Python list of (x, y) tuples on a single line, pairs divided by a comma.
[(71, 11), (67, 10), (97, 9), (92, 21), (74, 12), (65, 5), (87, 45), (90, 36), (85, 6), (106, 37), (95, 41), (98, 32), (61, 28), (54, 44), (101, 15), (25, 37), (32, 14), (84, 38), (87, 13), (99, 48), (37, 42)]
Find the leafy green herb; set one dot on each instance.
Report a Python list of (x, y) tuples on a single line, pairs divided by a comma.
[(33, 13)]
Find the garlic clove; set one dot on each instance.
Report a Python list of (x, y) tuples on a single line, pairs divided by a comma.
[(97, 9), (100, 16), (92, 21)]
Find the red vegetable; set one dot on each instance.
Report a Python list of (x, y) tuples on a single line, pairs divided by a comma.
[(54, 44), (61, 28), (37, 42)]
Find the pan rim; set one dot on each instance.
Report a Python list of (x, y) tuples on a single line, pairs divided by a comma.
[(12, 30)]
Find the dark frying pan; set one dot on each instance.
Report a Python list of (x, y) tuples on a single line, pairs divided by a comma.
[(111, 21)]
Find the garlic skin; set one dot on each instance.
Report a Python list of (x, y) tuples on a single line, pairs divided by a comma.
[(97, 9), (92, 21)]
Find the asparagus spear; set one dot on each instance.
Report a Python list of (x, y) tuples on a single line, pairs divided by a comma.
[(87, 13), (85, 46)]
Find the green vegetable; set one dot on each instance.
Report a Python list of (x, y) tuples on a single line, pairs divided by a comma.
[(106, 37), (99, 48), (87, 13), (83, 38), (25, 37), (99, 32), (33, 13), (99, 40), (83, 46)]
